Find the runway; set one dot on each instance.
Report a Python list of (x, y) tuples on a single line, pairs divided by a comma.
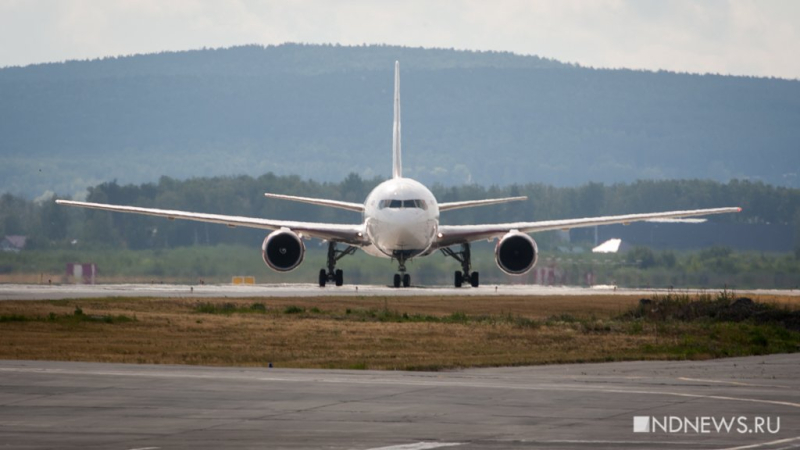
[(110, 406), (70, 291)]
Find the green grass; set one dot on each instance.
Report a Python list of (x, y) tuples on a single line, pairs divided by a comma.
[(75, 318), (13, 318), (714, 308), (230, 308), (727, 340), (293, 310)]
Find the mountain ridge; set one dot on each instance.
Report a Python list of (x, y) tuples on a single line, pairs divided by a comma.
[(324, 111)]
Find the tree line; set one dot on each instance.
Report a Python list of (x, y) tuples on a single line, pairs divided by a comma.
[(48, 225)]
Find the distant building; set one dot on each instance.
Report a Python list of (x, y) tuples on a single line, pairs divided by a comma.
[(82, 273), (13, 243), (548, 276)]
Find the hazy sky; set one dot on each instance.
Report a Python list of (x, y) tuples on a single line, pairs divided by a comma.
[(743, 37)]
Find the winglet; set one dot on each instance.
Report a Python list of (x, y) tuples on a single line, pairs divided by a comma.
[(397, 166)]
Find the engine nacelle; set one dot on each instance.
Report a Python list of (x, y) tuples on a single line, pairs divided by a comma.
[(516, 253), (283, 250)]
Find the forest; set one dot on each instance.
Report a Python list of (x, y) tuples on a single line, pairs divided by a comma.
[(486, 118), (48, 225), (140, 248)]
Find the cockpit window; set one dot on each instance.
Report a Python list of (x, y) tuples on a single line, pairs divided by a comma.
[(418, 204), (415, 204)]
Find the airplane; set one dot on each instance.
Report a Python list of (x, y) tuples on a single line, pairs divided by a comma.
[(400, 222)]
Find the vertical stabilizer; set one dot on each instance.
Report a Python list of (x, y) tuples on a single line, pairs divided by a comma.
[(397, 163)]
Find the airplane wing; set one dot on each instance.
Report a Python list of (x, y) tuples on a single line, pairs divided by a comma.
[(350, 234), (357, 207), (459, 234), (470, 203)]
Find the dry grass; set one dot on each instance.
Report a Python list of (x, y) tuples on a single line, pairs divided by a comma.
[(172, 331), (30, 278)]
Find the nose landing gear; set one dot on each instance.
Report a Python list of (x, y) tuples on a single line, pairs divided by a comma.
[(402, 277), (465, 258)]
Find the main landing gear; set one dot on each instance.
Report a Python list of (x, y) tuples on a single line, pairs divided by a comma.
[(334, 274), (465, 258), (402, 277)]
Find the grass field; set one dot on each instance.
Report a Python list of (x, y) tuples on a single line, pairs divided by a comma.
[(416, 333)]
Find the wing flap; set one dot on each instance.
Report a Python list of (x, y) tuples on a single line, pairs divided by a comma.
[(351, 234)]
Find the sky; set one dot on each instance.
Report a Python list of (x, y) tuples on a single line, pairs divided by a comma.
[(739, 37)]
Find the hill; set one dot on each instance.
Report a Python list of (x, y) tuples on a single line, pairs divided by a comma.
[(325, 111)]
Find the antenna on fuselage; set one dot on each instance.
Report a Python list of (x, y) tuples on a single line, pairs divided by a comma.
[(397, 166)]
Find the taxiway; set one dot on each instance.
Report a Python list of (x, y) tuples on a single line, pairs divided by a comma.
[(112, 406)]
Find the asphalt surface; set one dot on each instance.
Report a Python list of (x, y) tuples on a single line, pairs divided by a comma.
[(57, 292), (111, 406)]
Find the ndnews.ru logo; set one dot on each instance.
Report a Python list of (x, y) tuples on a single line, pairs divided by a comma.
[(706, 424)]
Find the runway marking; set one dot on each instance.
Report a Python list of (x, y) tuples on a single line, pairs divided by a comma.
[(418, 446), (765, 444), (570, 388), (146, 448), (587, 441), (736, 383)]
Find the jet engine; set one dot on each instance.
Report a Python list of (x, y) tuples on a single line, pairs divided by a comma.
[(516, 253), (283, 250)]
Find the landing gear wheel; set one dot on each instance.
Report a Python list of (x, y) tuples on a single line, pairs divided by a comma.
[(397, 280), (339, 277), (465, 258), (333, 274), (473, 279), (406, 280)]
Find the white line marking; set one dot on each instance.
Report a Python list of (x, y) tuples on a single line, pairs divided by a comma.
[(735, 383), (764, 444), (419, 446), (544, 387), (579, 441), (146, 448)]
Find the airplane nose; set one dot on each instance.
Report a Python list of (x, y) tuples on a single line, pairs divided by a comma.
[(404, 235)]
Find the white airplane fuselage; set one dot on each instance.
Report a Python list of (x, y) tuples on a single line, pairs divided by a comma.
[(401, 218)]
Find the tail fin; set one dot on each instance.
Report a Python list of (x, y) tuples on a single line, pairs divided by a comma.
[(397, 166)]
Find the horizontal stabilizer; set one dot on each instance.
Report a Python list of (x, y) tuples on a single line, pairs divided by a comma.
[(472, 203), (357, 207)]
